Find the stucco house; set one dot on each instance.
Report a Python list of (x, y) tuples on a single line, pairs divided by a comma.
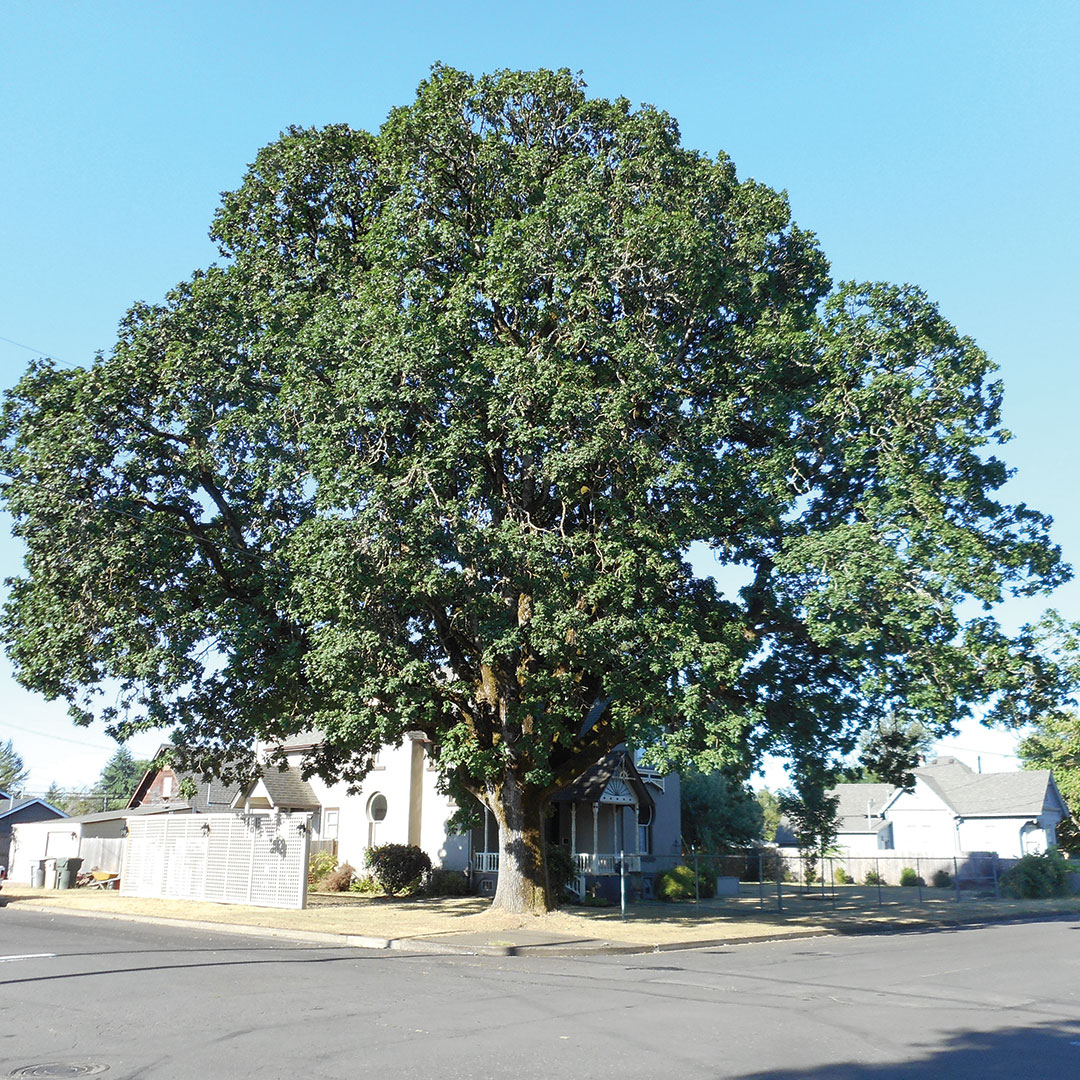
[(614, 806)]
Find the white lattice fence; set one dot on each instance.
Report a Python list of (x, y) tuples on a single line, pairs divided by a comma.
[(228, 858)]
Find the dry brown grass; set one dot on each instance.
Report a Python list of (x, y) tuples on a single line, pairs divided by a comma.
[(647, 924)]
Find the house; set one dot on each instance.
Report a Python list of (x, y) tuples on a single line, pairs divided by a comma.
[(614, 806), (863, 829), (161, 785), (18, 810), (951, 810), (614, 813)]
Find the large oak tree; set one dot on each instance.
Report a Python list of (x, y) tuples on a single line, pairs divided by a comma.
[(431, 447)]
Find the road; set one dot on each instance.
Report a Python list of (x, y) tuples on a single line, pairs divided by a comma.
[(162, 1003)]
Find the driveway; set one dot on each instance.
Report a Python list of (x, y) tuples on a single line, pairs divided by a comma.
[(163, 1003)]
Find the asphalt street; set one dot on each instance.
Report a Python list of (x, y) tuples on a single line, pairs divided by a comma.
[(162, 1003)]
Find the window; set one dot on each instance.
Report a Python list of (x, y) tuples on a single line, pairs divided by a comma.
[(329, 829), (644, 833), (376, 813)]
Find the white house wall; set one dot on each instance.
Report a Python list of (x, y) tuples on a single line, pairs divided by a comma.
[(858, 844), (391, 777), (922, 822)]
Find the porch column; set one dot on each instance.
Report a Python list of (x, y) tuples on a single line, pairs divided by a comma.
[(636, 814), (573, 829), (595, 831), (487, 816)]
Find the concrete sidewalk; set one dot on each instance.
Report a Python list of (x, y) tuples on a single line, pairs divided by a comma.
[(467, 925)]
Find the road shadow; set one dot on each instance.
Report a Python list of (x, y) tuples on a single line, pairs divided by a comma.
[(1037, 1052)]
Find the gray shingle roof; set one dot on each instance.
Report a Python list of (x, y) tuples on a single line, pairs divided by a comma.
[(971, 794), (860, 806), (287, 789)]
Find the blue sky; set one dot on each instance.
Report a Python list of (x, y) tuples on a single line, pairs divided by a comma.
[(923, 142)]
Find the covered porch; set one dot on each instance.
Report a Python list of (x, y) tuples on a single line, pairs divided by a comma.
[(603, 818)]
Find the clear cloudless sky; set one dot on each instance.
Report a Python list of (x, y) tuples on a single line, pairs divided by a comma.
[(932, 143)]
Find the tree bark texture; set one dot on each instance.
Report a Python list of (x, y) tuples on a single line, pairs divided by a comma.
[(523, 887)]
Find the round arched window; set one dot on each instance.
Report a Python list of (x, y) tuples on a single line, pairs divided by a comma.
[(376, 807)]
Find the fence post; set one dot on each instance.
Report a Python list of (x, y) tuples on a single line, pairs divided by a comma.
[(994, 865), (877, 874), (761, 881), (918, 876), (956, 878), (622, 884), (697, 883), (779, 886)]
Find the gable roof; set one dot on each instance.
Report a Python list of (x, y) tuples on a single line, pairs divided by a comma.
[(286, 789), (1006, 794), (12, 805), (210, 795), (592, 783), (860, 807)]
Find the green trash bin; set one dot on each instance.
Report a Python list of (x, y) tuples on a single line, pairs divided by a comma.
[(66, 870)]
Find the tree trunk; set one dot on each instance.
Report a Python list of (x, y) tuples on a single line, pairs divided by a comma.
[(523, 887)]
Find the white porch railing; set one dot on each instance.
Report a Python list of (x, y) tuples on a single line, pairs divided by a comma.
[(596, 865), (601, 864)]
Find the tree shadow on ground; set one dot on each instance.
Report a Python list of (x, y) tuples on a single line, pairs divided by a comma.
[(1037, 1052)]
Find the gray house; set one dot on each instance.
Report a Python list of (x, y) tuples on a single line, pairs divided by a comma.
[(613, 811)]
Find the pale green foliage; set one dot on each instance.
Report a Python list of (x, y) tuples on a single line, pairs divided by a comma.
[(770, 813), (889, 749)]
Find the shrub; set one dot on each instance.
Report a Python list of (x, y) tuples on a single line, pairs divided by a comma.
[(319, 865), (340, 879), (365, 884), (842, 877), (594, 901), (873, 878), (909, 877), (942, 879), (678, 884), (397, 867), (561, 868), (1036, 876), (440, 882)]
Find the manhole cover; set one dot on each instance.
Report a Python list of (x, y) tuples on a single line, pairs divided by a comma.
[(61, 1068)]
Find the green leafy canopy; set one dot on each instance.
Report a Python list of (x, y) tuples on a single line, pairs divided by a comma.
[(428, 450)]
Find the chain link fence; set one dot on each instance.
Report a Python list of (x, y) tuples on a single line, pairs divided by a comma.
[(783, 880)]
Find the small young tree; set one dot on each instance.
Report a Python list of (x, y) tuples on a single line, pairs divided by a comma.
[(812, 811), (770, 813), (13, 772)]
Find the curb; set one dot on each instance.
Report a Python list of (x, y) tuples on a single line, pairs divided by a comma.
[(602, 948)]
